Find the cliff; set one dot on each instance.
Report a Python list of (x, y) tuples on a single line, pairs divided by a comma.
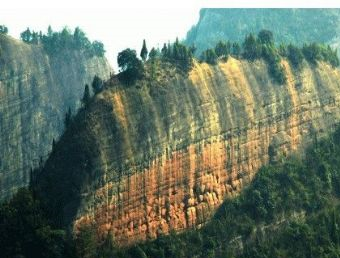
[(163, 155), (36, 90)]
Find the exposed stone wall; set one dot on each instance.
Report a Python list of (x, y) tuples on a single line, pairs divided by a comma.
[(170, 154), (35, 93)]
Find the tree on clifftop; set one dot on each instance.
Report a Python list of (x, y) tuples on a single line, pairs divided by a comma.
[(251, 49), (144, 51), (265, 37), (153, 54), (3, 29), (130, 66), (97, 84), (26, 35)]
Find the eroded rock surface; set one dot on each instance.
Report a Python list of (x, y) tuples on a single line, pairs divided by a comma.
[(36, 90), (164, 157)]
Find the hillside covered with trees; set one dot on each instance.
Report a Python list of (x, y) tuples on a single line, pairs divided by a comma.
[(294, 26)]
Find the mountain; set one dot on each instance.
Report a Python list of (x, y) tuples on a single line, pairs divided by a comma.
[(288, 25), (143, 160), (36, 89)]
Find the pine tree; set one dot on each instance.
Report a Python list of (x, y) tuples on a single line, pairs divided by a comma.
[(251, 49), (192, 49), (295, 56), (68, 117), (53, 144), (222, 49), (209, 56), (265, 37), (236, 49), (86, 97), (144, 51), (49, 31), (26, 35), (153, 54), (164, 51), (97, 84)]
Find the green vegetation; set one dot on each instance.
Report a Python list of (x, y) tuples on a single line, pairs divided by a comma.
[(251, 48), (131, 68), (290, 26), (271, 55), (263, 47), (144, 52), (318, 52), (154, 53), (178, 54), (97, 84), (68, 118), (3, 29), (26, 232), (222, 49), (266, 37), (209, 56), (54, 42), (236, 49), (86, 96), (295, 56)]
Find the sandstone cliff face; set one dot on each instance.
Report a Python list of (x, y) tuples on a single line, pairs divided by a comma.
[(164, 157), (35, 93)]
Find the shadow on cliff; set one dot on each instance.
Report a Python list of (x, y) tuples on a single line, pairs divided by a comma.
[(67, 174)]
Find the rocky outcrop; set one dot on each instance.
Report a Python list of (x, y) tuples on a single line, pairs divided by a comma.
[(36, 90), (163, 156)]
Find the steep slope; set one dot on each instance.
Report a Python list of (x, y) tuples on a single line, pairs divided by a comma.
[(36, 90), (164, 155), (290, 209), (289, 25)]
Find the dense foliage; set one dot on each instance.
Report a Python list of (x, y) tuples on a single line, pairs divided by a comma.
[(178, 54), (263, 47), (131, 67), (293, 26), (25, 230), (54, 42), (3, 29)]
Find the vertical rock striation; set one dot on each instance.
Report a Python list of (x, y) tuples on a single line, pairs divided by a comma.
[(164, 157), (35, 92)]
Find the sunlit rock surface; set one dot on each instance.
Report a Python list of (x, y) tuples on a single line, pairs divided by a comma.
[(164, 156)]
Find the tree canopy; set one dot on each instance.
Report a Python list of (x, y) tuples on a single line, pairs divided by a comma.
[(266, 37), (144, 51), (3, 29), (54, 42), (130, 66)]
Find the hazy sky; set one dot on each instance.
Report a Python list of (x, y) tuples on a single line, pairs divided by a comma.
[(116, 28), (123, 23)]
